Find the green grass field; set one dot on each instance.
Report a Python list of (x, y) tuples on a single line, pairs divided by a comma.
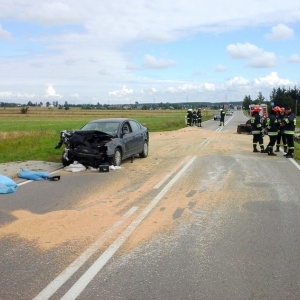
[(33, 136)]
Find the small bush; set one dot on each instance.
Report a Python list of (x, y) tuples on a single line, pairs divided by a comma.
[(24, 109)]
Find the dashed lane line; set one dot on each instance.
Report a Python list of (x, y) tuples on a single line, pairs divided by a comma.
[(87, 277), (53, 286)]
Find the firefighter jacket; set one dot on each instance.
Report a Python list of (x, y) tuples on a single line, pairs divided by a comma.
[(256, 126), (280, 122), (189, 115), (289, 123), (195, 116), (199, 115), (271, 125), (222, 114)]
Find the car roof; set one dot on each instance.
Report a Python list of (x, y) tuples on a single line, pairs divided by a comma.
[(119, 120)]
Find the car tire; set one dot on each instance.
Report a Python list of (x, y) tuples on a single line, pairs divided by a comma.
[(144, 153), (65, 162), (117, 158)]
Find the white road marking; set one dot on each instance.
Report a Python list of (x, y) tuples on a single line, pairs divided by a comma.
[(53, 286), (294, 163), (87, 277), (28, 181), (158, 185)]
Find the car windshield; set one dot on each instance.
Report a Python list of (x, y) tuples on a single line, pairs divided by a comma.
[(107, 127)]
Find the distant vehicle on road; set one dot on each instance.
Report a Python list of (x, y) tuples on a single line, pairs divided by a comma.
[(217, 116)]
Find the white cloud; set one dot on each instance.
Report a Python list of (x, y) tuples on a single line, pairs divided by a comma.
[(92, 48), (243, 51), (5, 35), (220, 68), (123, 92), (257, 57), (51, 92), (294, 58), (280, 32), (237, 81), (150, 62), (264, 60), (6, 94), (272, 80)]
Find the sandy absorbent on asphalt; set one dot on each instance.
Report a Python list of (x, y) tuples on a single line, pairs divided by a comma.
[(95, 214)]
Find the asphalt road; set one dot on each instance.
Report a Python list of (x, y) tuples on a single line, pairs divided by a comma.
[(200, 218)]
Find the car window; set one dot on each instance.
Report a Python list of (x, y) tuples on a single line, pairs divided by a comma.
[(134, 126), (126, 128), (107, 127), (111, 128)]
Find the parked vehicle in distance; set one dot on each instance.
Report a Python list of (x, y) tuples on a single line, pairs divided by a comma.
[(217, 116), (229, 113), (104, 141)]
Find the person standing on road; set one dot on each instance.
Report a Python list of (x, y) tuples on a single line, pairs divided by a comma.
[(272, 128), (281, 135), (195, 118), (256, 129), (189, 117), (289, 131), (222, 117), (199, 114)]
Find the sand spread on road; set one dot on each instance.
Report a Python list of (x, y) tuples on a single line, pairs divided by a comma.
[(95, 214)]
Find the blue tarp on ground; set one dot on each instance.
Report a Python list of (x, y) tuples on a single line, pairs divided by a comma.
[(34, 175), (7, 185)]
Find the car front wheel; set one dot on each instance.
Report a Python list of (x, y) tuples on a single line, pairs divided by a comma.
[(117, 158), (144, 153), (65, 159)]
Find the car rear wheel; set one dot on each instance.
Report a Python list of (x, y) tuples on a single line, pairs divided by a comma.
[(117, 158), (144, 153)]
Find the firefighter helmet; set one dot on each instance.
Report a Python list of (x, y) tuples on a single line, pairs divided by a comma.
[(257, 108), (276, 109)]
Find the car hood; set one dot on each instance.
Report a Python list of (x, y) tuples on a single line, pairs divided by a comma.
[(81, 136), (93, 132)]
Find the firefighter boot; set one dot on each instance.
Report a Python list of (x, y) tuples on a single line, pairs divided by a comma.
[(277, 148), (270, 152), (285, 149), (255, 149), (290, 154), (262, 150)]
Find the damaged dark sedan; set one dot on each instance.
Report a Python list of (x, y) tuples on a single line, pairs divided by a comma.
[(104, 141)]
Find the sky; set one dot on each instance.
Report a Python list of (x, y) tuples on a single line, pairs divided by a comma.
[(123, 52)]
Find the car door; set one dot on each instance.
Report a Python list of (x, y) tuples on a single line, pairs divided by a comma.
[(137, 136), (127, 139)]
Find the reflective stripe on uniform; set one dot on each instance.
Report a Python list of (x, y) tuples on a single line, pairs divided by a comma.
[(289, 132)]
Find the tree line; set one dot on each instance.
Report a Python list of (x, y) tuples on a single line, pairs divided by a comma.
[(278, 97)]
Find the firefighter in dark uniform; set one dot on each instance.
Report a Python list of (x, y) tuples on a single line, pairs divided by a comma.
[(256, 129), (272, 128), (281, 135), (222, 119), (199, 114), (189, 117), (289, 131), (195, 118)]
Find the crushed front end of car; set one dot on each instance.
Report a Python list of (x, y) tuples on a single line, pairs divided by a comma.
[(87, 147)]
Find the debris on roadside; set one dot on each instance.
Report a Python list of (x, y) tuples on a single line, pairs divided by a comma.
[(37, 175), (7, 185), (75, 167)]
